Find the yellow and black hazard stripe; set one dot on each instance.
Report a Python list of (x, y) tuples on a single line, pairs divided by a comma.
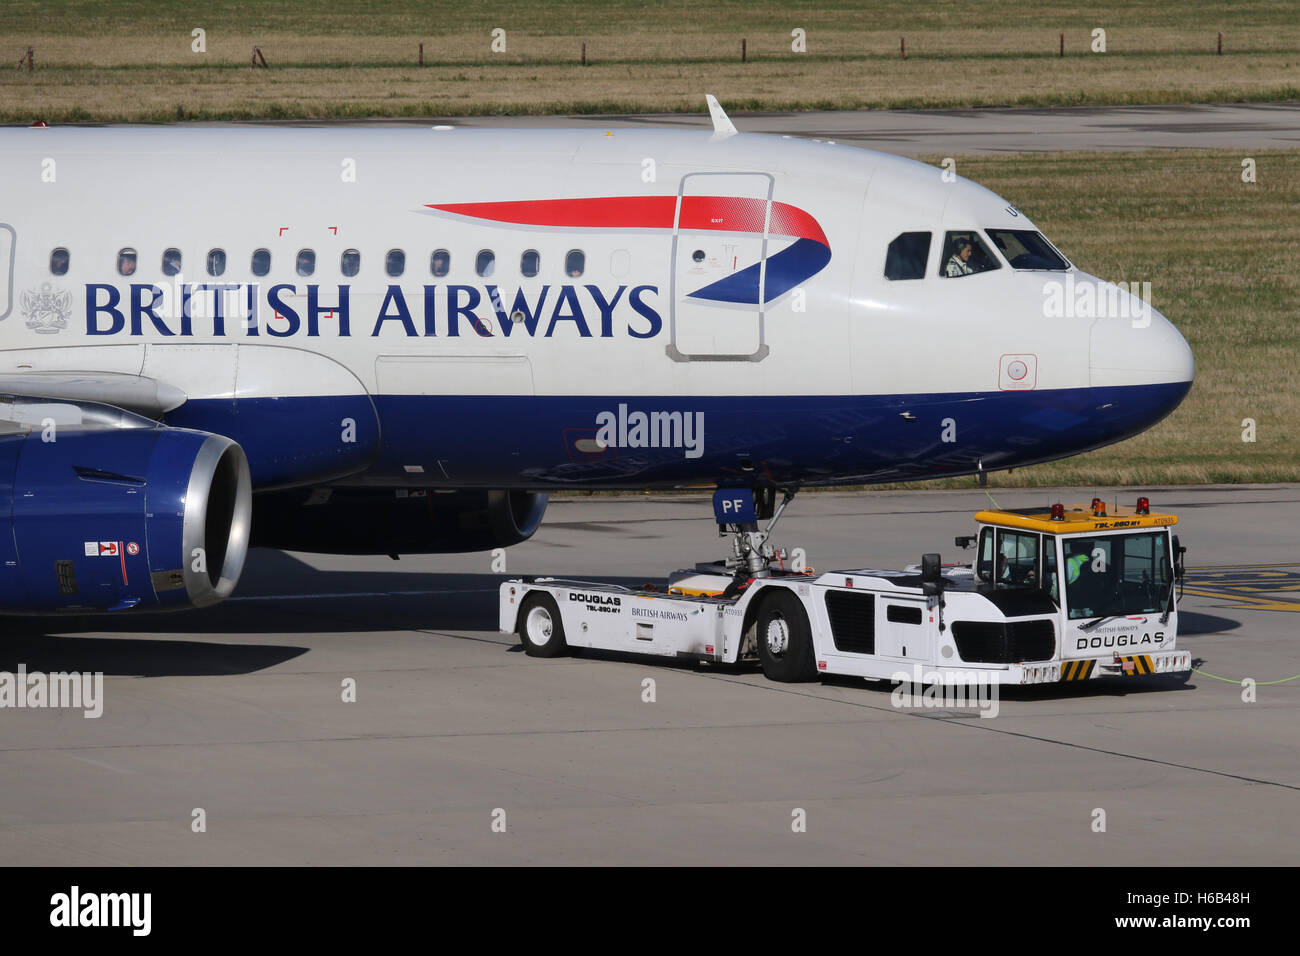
[(1077, 670), (1141, 664)]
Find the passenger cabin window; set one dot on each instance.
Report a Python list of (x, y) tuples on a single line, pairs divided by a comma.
[(59, 262), (350, 262), (126, 262), (171, 262), (486, 263), (261, 262), (395, 262), (306, 263), (1026, 249), (907, 256), (440, 262), (530, 263), (216, 262), (965, 254), (575, 263)]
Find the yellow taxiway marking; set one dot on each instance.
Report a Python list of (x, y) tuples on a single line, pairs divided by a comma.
[(1249, 586)]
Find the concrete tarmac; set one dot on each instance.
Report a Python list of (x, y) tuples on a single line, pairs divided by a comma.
[(237, 712), (1251, 126)]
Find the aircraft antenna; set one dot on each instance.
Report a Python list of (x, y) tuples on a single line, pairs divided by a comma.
[(722, 124)]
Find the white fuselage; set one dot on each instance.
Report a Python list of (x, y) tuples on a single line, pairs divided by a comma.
[(811, 368)]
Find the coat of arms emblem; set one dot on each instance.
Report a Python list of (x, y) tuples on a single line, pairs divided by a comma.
[(47, 309)]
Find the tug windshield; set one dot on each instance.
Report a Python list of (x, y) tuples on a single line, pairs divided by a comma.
[(1117, 574)]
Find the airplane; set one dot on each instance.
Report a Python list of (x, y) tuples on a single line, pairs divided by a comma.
[(399, 341)]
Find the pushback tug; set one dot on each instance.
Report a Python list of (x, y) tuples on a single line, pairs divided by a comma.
[(1058, 594)]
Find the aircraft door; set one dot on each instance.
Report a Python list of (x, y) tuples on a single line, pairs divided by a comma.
[(719, 255), (7, 243)]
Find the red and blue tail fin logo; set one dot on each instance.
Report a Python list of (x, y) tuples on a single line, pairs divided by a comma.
[(798, 262)]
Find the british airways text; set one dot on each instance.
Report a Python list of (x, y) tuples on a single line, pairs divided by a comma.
[(283, 310)]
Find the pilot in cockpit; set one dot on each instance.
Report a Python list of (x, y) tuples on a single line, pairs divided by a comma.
[(959, 262)]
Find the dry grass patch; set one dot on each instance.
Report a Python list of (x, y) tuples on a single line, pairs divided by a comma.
[(132, 61)]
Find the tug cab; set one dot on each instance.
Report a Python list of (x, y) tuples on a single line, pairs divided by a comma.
[(1110, 573)]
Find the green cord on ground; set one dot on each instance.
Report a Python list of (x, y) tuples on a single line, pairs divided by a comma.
[(1258, 683)]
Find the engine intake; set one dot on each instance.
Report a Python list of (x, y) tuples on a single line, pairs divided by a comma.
[(142, 518)]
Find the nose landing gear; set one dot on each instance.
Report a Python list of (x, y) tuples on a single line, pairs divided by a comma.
[(738, 512)]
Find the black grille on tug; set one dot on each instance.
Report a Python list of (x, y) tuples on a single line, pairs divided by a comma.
[(991, 642), (853, 621)]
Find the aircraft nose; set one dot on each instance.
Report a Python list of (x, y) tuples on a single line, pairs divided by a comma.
[(1140, 348)]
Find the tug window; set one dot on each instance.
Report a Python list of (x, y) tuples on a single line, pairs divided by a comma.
[(126, 262), (59, 262), (965, 254), (902, 614), (1011, 562), (306, 262), (1012, 559), (907, 256), (216, 262), (395, 262), (984, 566), (261, 263), (486, 263), (530, 263), (350, 262), (575, 263), (1050, 581), (171, 262), (440, 262)]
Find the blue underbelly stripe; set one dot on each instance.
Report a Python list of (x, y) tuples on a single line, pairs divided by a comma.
[(554, 441)]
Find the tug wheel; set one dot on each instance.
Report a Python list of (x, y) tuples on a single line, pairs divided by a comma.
[(540, 629), (785, 647)]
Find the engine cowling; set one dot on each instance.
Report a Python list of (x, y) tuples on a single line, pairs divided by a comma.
[(395, 521), (129, 518)]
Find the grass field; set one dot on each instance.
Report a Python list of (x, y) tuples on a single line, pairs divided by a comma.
[(125, 61)]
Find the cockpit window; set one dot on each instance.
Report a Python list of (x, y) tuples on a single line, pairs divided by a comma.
[(966, 254), (1026, 249), (907, 256)]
